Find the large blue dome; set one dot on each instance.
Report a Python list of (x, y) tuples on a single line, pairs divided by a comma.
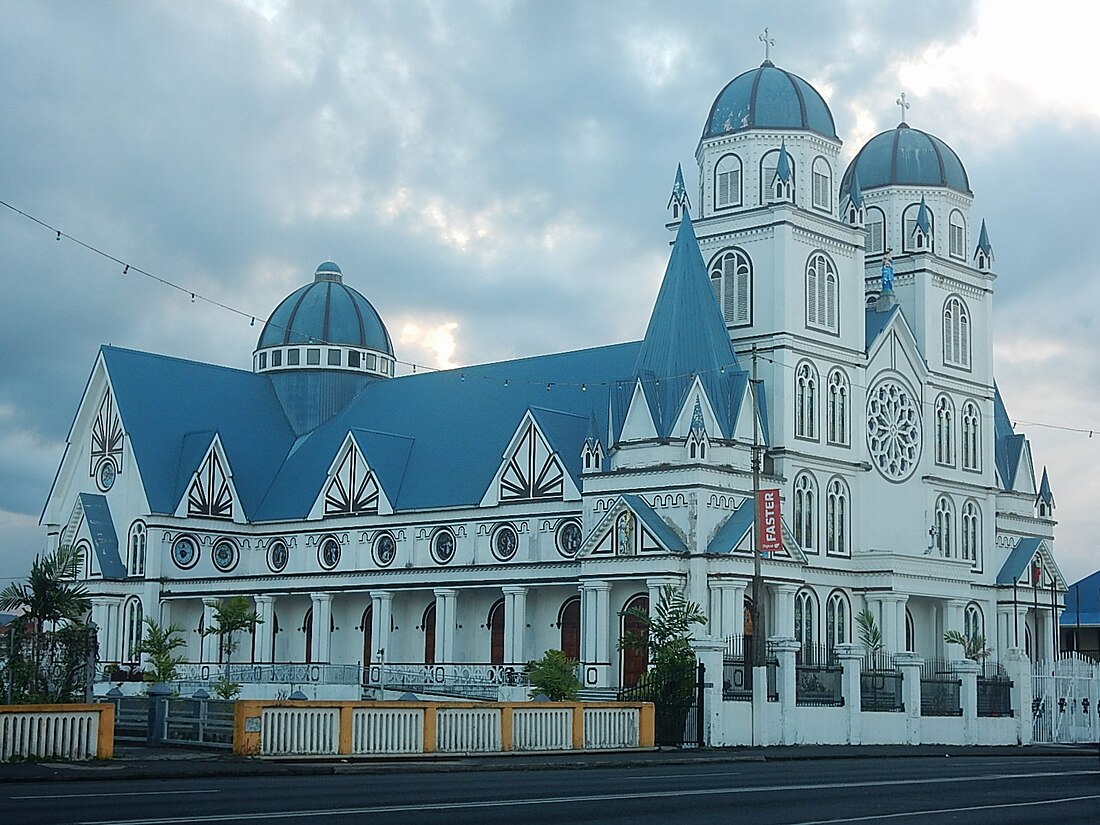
[(907, 157), (769, 98), (326, 311)]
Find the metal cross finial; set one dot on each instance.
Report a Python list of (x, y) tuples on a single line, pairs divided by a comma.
[(904, 104), (768, 43)]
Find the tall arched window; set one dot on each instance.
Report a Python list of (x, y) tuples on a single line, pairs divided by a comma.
[(945, 527), (956, 332), (973, 621), (837, 518), (945, 431), (972, 532), (569, 622), (805, 619), (823, 185), (132, 616), (875, 227), (821, 293), (838, 615), (839, 391), (805, 413), (971, 437), (135, 564), (957, 243), (727, 182), (805, 512), (731, 280)]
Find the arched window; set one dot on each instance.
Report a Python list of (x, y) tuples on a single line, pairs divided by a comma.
[(132, 616), (973, 621), (838, 390), (495, 623), (135, 563), (945, 431), (915, 241), (958, 235), (366, 625), (768, 164), (945, 527), (821, 293), (307, 631), (805, 620), (837, 518), (727, 182), (823, 184), (971, 437), (972, 533), (910, 632), (956, 332), (838, 617), (91, 564), (731, 280), (427, 624), (805, 413), (805, 512), (875, 227), (569, 622), (633, 663)]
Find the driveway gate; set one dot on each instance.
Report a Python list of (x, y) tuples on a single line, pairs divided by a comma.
[(1066, 703)]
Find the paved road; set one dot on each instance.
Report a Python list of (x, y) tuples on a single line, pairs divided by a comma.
[(1002, 790)]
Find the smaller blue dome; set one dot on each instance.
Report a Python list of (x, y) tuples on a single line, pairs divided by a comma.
[(326, 311), (769, 98), (906, 157)]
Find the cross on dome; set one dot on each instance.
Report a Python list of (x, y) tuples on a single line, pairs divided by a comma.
[(904, 104), (768, 43)]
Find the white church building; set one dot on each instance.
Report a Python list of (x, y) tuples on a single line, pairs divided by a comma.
[(472, 518)]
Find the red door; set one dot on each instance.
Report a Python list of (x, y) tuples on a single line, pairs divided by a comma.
[(428, 623), (307, 629), (634, 662), (496, 633), (569, 620), (368, 630)]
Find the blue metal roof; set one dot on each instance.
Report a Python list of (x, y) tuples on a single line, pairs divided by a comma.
[(1045, 494), (101, 527), (733, 530), (1007, 444), (908, 157), (769, 98), (1083, 603), (1018, 560), (983, 241), (875, 322), (326, 311), (657, 526)]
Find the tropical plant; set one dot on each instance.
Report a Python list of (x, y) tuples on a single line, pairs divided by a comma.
[(974, 646), (870, 636), (231, 616), (51, 593), (554, 675), (160, 644)]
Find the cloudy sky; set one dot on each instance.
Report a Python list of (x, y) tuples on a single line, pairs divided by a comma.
[(493, 176)]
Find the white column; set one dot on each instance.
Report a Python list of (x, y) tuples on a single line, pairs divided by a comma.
[(209, 641), (1004, 630), (595, 633), (322, 626), (727, 609), (105, 634), (265, 629), (515, 624), (783, 621), (655, 584), (381, 612), (1045, 642), (446, 625)]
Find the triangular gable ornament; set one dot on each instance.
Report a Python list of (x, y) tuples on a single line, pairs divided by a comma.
[(530, 470), (622, 531), (351, 487), (211, 492)]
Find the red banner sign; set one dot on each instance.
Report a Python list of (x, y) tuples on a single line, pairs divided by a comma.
[(770, 531)]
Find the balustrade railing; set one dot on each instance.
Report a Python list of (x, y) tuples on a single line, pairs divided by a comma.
[(280, 673), (467, 680)]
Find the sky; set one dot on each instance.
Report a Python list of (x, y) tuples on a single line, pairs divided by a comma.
[(493, 177)]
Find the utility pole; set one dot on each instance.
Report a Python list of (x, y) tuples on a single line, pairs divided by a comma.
[(759, 634)]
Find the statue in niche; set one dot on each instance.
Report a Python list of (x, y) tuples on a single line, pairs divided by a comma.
[(624, 534)]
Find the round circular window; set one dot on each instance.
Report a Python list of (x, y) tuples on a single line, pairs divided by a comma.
[(185, 552), (384, 549), (568, 538), (225, 555), (505, 542), (328, 554), (277, 556), (105, 475), (893, 429), (443, 545)]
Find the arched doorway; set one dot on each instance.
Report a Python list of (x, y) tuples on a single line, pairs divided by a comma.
[(633, 663), (569, 621), (367, 626), (307, 630), (428, 625), (495, 623)]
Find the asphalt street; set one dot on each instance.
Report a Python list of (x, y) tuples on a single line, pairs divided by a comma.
[(1004, 790)]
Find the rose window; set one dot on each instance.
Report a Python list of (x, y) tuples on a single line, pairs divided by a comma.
[(893, 430)]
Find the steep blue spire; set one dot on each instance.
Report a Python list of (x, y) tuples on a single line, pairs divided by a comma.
[(923, 222), (983, 242), (678, 188), (783, 165), (1045, 495), (687, 334), (855, 193), (593, 437)]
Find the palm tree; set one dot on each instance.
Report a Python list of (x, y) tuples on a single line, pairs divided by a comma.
[(51, 593)]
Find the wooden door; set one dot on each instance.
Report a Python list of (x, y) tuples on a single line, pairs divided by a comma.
[(367, 626), (496, 633), (569, 620), (634, 662), (428, 623), (307, 629)]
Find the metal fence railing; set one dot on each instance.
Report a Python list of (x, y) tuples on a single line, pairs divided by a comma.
[(818, 677), (737, 671), (880, 684), (940, 689), (994, 690)]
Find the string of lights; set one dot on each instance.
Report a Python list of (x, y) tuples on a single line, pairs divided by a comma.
[(464, 374)]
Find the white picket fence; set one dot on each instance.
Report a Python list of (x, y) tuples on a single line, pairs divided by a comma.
[(387, 730), (49, 734), (469, 730), (542, 729), (611, 727), (1066, 700), (300, 731)]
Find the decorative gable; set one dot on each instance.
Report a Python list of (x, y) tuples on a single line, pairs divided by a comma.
[(630, 527), (351, 487), (106, 440), (532, 471), (210, 493), (638, 425)]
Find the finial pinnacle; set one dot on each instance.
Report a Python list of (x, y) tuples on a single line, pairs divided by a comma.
[(904, 104), (768, 43)]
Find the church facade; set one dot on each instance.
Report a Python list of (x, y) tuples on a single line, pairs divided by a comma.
[(481, 515)]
